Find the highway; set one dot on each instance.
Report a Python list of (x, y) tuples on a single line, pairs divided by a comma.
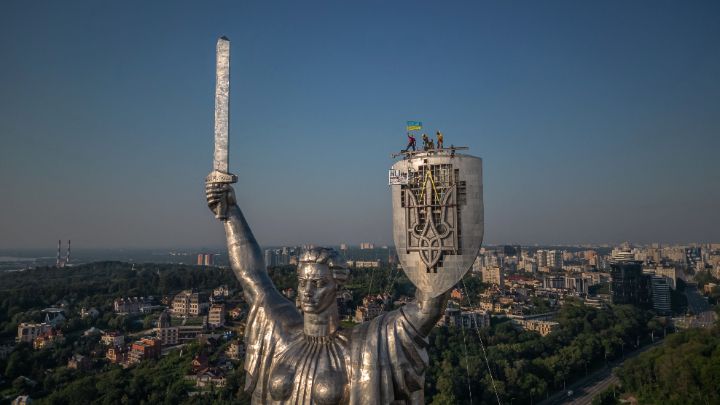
[(703, 315), (585, 389), (698, 304)]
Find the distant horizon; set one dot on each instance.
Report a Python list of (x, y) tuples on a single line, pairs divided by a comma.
[(200, 248)]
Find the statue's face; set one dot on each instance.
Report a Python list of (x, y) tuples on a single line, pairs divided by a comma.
[(316, 288)]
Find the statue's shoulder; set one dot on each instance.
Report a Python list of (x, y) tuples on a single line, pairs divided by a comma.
[(279, 310), (373, 326)]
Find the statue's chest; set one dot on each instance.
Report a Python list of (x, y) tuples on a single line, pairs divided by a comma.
[(310, 371)]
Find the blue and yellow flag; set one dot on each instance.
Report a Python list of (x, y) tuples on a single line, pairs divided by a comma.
[(414, 125)]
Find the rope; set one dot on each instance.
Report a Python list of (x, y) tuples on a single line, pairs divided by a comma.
[(392, 281), (372, 276), (467, 363), (482, 346)]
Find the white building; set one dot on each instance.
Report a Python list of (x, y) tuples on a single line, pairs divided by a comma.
[(455, 317), (130, 305), (188, 303), (576, 283), (112, 339), (216, 316), (28, 332), (554, 282), (222, 291)]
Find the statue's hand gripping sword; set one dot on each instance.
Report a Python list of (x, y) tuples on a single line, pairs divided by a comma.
[(221, 172)]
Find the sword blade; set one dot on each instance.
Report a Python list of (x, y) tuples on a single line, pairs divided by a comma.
[(222, 102)]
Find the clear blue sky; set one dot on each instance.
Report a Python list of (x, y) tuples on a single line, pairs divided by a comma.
[(597, 121)]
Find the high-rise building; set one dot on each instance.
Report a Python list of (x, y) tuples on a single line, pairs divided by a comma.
[(530, 266), (623, 255), (209, 259), (496, 260), (493, 275), (541, 257), (284, 259), (661, 295), (509, 250), (478, 264), (205, 259), (628, 284), (555, 259), (669, 272)]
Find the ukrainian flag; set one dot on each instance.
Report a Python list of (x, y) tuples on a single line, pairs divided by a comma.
[(414, 125)]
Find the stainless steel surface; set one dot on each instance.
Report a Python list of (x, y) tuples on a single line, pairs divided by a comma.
[(222, 101), (306, 358), (221, 157), (438, 218)]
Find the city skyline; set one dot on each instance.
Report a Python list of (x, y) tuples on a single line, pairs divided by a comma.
[(596, 123)]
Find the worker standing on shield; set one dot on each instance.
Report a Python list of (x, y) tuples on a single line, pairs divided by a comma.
[(411, 142), (426, 141)]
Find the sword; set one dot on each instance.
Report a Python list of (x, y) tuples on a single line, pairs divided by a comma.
[(221, 173)]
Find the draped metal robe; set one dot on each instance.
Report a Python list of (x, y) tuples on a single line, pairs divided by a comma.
[(378, 362)]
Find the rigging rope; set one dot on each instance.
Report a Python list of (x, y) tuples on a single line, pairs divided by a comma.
[(467, 362), (482, 346), (392, 280), (372, 276)]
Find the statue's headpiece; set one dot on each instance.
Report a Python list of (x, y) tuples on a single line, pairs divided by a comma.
[(329, 257)]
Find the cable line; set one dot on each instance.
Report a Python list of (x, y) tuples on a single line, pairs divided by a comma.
[(482, 345), (467, 362)]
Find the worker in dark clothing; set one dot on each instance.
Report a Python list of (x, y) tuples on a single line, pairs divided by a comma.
[(426, 142), (411, 142), (439, 140), (431, 144)]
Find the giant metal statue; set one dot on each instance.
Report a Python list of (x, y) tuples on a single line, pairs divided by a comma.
[(300, 354)]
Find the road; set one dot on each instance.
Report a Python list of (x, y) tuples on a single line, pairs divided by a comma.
[(703, 315), (585, 389)]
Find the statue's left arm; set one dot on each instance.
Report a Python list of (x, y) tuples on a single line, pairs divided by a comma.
[(424, 312), (391, 359)]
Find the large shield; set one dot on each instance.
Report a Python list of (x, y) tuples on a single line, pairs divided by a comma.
[(437, 217)]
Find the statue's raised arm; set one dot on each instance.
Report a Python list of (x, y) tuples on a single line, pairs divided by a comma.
[(243, 250)]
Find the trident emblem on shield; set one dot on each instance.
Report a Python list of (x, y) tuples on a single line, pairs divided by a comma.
[(437, 217)]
